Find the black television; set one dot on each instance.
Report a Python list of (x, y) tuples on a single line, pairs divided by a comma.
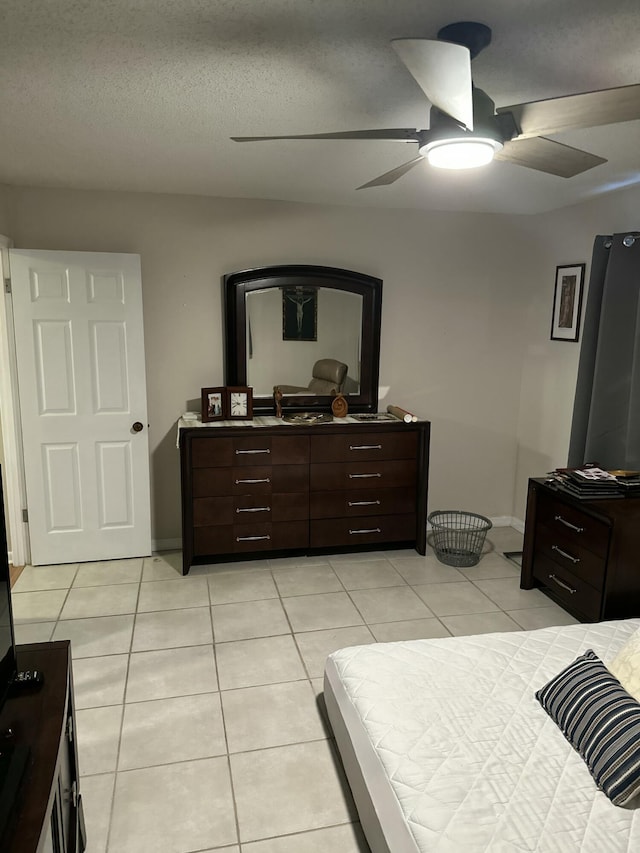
[(8, 664)]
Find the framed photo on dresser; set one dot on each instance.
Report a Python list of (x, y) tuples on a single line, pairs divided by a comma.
[(213, 404)]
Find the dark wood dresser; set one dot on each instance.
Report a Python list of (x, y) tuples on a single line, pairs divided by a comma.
[(583, 554), (257, 490), (46, 816)]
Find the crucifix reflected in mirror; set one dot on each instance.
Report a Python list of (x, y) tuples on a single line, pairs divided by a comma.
[(299, 313)]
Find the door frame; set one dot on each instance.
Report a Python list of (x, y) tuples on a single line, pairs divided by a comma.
[(13, 473)]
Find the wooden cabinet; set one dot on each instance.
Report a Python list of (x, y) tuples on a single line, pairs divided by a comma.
[(363, 488), (251, 490), (583, 554), (47, 812), (246, 492)]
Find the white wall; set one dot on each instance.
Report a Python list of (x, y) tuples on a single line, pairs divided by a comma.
[(455, 291), (466, 315), (550, 367), (5, 203)]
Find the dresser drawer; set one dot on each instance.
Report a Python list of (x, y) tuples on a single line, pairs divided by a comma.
[(212, 452), (256, 536), (208, 512), (362, 531), (364, 446), (573, 524), (242, 508), (365, 502), (256, 480), (571, 554), (572, 592), (213, 540), (363, 475), (275, 450)]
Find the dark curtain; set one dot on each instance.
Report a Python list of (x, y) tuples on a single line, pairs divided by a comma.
[(606, 412)]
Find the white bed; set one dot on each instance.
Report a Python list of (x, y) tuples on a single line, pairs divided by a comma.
[(446, 748)]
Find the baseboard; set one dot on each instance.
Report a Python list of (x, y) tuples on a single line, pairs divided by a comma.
[(518, 525), (501, 521), (166, 544), (508, 521)]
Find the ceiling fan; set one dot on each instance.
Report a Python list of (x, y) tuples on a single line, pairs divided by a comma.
[(466, 130)]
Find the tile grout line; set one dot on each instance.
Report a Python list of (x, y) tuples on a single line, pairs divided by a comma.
[(236, 818), (121, 727)]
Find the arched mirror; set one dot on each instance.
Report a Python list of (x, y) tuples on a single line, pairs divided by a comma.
[(310, 330)]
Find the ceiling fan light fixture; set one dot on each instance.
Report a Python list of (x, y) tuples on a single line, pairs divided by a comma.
[(461, 152)]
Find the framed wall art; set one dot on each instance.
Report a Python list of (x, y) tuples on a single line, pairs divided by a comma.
[(299, 313), (213, 404), (567, 302)]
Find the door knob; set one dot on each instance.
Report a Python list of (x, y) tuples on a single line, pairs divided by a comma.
[(137, 427)]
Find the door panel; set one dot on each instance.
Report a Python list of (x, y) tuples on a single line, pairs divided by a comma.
[(62, 498), (80, 357), (109, 367), (115, 487), (54, 368)]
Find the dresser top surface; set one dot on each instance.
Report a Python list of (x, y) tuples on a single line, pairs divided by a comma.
[(275, 426), (625, 507)]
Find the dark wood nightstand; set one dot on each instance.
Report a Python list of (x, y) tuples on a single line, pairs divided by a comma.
[(584, 554)]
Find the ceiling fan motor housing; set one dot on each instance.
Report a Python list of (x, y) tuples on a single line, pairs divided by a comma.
[(485, 126), (470, 34)]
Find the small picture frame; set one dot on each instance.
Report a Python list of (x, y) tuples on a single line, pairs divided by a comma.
[(567, 302), (239, 403), (213, 404)]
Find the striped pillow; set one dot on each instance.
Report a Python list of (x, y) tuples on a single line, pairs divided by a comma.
[(601, 721)]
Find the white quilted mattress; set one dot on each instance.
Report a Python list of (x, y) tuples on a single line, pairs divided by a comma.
[(452, 739)]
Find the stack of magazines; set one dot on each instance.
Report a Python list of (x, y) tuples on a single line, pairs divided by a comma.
[(629, 482), (593, 483)]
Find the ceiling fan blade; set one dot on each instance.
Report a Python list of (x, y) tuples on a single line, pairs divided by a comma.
[(443, 72), (590, 109), (545, 155), (393, 175), (393, 134)]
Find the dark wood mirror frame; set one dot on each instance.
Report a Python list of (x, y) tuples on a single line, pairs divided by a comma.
[(237, 285)]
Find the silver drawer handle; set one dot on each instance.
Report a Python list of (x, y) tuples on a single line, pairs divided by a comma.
[(564, 554), (254, 509), (366, 530), (263, 480), (562, 584), (251, 538), (362, 476), (365, 447), (250, 452), (568, 524), (363, 503)]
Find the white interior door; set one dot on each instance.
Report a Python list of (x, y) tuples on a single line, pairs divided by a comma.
[(81, 379)]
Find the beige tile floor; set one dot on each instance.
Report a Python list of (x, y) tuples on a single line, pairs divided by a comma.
[(199, 727)]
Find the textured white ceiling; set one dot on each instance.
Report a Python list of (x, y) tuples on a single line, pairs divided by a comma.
[(144, 95)]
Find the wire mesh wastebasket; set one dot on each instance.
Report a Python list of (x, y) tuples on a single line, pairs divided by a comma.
[(458, 536)]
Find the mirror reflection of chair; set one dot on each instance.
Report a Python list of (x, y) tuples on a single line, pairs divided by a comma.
[(328, 375)]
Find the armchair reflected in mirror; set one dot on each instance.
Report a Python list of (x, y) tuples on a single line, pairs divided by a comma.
[(328, 377), (328, 342)]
